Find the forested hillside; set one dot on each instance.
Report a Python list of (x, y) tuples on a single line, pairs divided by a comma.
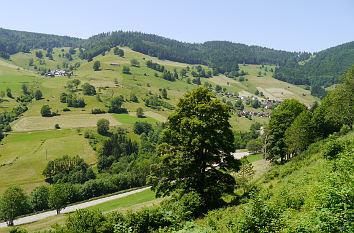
[(323, 69), (221, 55), (12, 41)]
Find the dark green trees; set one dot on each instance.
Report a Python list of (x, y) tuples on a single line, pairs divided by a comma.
[(140, 112), (39, 198), (46, 111), (88, 89), (116, 105), (281, 119), (197, 137), (102, 126), (38, 95), (96, 65)]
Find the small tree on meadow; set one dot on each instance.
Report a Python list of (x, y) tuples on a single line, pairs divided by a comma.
[(140, 112), (126, 70), (96, 65), (38, 95), (46, 111), (102, 126)]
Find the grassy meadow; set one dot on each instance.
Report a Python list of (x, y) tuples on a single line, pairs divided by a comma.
[(22, 152)]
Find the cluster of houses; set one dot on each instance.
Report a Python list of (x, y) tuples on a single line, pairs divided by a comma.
[(245, 113), (57, 73)]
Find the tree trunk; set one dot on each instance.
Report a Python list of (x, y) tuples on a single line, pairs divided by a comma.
[(10, 222)]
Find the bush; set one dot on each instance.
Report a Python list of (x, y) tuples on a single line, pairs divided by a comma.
[(142, 127), (97, 111), (332, 149), (88, 89), (46, 111), (186, 206), (102, 126), (57, 126), (66, 110)]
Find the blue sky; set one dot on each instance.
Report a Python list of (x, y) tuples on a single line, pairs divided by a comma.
[(293, 25)]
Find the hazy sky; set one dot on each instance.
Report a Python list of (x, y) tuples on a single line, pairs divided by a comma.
[(293, 25)]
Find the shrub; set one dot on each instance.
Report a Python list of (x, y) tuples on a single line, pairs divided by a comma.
[(102, 126), (46, 111), (332, 149), (57, 126), (97, 111)]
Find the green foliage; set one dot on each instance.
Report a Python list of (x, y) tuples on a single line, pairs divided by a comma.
[(254, 145), (244, 175), (17, 230), (118, 51), (82, 221), (68, 169), (280, 120), (300, 134), (332, 149), (140, 112), (142, 127), (116, 105), (58, 197), (198, 135), (46, 111), (322, 70), (96, 65), (154, 102), (88, 89), (134, 62), (185, 206), (13, 203), (38, 95), (38, 198), (102, 126), (126, 70)]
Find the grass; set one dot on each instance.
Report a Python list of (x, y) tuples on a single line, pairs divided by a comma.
[(109, 82), (132, 202), (128, 119), (254, 157), (65, 121), (25, 155)]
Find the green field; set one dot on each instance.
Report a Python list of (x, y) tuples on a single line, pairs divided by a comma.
[(25, 155), (128, 119), (24, 161), (132, 202), (254, 157)]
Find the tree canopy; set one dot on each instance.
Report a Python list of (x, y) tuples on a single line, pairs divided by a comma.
[(196, 153)]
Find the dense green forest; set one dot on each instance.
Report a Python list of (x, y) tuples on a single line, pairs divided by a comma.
[(12, 41), (323, 69), (221, 55)]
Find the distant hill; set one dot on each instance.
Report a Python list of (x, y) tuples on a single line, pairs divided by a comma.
[(220, 55), (300, 68), (323, 69), (12, 41)]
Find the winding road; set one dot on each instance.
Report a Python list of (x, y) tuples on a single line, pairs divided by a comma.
[(43, 215)]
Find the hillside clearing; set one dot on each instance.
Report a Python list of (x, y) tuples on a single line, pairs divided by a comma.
[(65, 121)]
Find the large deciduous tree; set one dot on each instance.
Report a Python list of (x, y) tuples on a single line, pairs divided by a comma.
[(13, 203), (280, 120), (196, 155)]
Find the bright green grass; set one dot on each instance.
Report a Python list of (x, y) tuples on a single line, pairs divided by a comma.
[(131, 202), (128, 119), (254, 157), (137, 198), (27, 154)]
